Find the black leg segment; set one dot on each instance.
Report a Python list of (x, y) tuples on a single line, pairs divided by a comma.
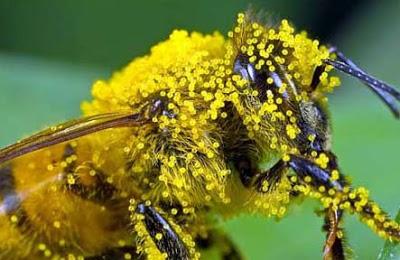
[(334, 244), (162, 233), (319, 176), (303, 168)]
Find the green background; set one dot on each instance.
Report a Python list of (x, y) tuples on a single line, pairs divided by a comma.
[(51, 52)]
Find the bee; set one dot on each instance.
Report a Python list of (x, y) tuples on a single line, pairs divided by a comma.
[(203, 128)]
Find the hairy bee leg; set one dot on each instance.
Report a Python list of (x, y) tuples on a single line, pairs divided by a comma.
[(333, 249), (117, 254), (334, 245), (303, 168), (161, 232), (271, 176), (319, 177), (222, 242), (344, 197)]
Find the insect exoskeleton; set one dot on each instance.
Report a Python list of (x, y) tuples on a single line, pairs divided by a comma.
[(202, 127)]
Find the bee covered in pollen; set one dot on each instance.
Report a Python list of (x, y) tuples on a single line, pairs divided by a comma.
[(202, 128)]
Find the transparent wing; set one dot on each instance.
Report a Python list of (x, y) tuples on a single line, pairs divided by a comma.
[(71, 130)]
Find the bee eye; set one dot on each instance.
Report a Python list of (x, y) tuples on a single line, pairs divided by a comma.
[(262, 80), (245, 69), (277, 81)]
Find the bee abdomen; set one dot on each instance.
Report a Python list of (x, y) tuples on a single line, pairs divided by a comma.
[(42, 214)]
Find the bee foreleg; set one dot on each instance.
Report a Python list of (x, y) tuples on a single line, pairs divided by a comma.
[(336, 194), (303, 168), (334, 245), (162, 233), (334, 248), (319, 177)]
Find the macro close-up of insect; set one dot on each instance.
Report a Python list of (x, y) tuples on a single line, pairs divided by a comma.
[(201, 129)]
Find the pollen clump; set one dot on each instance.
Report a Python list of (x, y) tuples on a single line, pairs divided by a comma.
[(355, 201)]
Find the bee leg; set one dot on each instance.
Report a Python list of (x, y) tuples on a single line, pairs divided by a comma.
[(319, 177), (117, 254), (303, 168), (169, 242), (336, 190), (334, 248), (224, 244), (271, 176)]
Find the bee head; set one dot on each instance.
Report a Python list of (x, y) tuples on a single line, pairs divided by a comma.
[(286, 83), (287, 78)]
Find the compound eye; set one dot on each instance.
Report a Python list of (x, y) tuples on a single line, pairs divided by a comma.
[(261, 80), (244, 69), (277, 81)]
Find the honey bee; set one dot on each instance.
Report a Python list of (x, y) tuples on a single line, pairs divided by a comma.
[(204, 127)]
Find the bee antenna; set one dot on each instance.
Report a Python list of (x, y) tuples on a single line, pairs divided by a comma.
[(385, 92), (71, 130)]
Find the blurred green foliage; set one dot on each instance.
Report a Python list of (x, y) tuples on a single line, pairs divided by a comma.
[(88, 42), (108, 34)]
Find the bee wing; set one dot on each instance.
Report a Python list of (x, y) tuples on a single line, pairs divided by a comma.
[(71, 130)]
